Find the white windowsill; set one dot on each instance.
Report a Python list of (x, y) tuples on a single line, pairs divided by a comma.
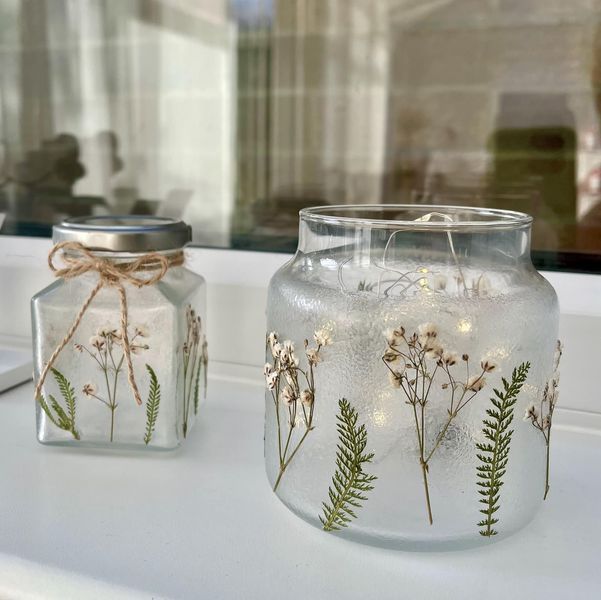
[(203, 522)]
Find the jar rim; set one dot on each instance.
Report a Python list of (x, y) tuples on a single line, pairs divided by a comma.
[(470, 218), (124, 233)]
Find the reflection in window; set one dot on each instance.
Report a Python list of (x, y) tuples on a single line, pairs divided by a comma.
[(234, 114), (117, 107)]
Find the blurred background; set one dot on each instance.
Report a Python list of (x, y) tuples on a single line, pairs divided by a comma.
[(234, 114)]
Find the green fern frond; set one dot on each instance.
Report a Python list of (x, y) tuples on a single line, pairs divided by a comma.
[(47, 410), (152, 404), (67, 391), (494, 454), (64, 420), (61, 415), (350, 483)]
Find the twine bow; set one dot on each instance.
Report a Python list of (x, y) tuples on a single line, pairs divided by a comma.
[(114, 275)]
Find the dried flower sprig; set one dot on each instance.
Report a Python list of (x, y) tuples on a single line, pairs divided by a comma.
[(283, 378), (541, 416), (413, 362), (195, 358), (105, 348)]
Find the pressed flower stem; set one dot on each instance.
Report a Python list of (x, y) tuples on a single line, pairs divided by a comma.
[(284, 465), (114, 402), (110, 402), (417, 393), (427, 491), (548, 440), (191, 354)]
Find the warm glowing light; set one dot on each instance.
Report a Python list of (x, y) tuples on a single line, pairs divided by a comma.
[(380, 418), (464, 326)]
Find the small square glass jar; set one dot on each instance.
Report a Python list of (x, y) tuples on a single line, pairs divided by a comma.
[(119, 271)]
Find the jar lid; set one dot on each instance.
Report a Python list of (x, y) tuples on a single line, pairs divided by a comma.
[(129, 233)]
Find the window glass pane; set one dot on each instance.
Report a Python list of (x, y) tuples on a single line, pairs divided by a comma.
[(234, 114)]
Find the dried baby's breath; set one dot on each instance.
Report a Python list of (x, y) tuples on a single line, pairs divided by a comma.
[(282, 378), (413, 362)]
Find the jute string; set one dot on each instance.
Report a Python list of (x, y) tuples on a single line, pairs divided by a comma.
[(110, 274)]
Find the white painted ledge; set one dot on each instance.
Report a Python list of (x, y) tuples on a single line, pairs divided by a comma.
[(203, 523)]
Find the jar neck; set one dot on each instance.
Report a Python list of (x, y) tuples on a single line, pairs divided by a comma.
[(392, 245), (122, 257)]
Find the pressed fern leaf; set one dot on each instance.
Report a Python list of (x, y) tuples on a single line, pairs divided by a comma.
[(55, 412), (494, 454), (350, 483), (48, 410), (152, 404), (67, 391)]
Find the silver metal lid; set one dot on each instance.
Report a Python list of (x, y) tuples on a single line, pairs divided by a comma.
[(130, 233)]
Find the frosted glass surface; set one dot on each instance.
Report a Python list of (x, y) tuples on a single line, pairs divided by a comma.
[(510, 319), (158, 329)]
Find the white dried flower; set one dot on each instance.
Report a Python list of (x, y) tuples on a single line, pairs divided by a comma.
[(267, 369), (394, 336), (391, 357), (288, 396), (551, 393), (322, 337), (488, 365), (189, 313), (475, 383), (271, 379), (97, 342), (531, 413), (427, 331), (307, 398), (433, 350), (276, 350), (139, 348), (287, 357), (313, 356), (547, 422), (272, 338), (289, 346), (450, 358), (78, 347), (141, 331), (89, 389)]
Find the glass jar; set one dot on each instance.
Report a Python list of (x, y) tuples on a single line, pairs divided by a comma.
[(411, 375), (137, 386)]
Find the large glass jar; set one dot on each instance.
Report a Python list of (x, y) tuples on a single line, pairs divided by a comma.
[(411, 375), (115, 272)]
